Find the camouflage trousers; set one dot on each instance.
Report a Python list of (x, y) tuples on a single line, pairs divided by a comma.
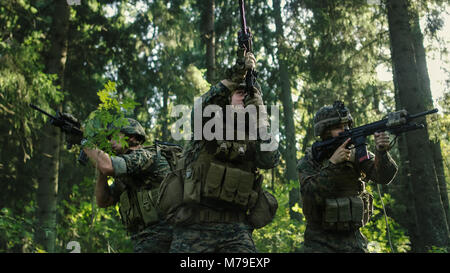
[(321, 241), (153, 239), (213, 238)]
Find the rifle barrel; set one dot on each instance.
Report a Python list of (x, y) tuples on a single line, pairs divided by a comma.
[(243, 21), (42, 111), (435, 110)]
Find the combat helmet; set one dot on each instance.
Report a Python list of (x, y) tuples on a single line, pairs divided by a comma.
[(328, 116), (133, 128)]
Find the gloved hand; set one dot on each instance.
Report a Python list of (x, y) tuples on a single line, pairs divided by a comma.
[(245, 61), (250, 61), (341, 154), (382, 141)]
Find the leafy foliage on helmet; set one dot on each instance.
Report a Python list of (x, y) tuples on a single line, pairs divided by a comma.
[(109, 119), (331, 115), (134, 128)]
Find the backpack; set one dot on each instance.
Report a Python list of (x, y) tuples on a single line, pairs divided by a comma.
[(141, 208), (171, 188)]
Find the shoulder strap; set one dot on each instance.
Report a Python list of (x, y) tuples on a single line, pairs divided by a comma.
[(171, 151), (158, 152)]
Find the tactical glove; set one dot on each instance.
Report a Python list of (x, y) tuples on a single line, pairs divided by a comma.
[(245, 61)]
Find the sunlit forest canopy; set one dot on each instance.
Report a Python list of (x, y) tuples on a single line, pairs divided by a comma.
[(152, 56)]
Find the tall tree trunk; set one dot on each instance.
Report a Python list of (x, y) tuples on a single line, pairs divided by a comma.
[(424, 81), (288, 111), (51, 139), (401, 189), (440, 174), (432, 225), (207, 28)]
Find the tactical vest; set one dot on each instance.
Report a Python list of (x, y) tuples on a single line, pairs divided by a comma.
[(138, 200), (222, 177), (349, 207), (216, 183), (137, 208)]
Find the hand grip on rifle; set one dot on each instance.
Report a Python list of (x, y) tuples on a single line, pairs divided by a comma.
[(82, 157), (75, 138), (69, 125)]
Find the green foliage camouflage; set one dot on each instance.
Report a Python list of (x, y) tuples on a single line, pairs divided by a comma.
[(105, 122)]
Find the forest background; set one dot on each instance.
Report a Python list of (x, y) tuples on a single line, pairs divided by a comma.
[(376, 56)]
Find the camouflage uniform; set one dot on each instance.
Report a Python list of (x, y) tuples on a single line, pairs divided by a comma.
[(215, 225), (214, 237), (137, 175), (326, 186)]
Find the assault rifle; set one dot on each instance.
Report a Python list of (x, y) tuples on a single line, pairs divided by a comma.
[(396, 123), (68, 125), (245, 41)]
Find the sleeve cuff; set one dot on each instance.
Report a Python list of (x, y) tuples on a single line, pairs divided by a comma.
[(328, 164), (119, 165)]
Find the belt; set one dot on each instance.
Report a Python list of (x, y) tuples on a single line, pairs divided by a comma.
[(210, 215)]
